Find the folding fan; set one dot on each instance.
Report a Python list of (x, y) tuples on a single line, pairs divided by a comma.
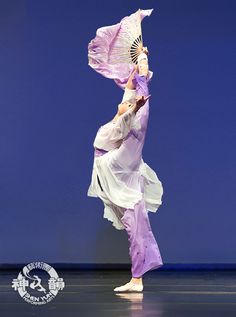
[(115, 49)]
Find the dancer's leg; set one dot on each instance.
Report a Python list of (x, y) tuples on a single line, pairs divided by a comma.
[(143, 250), (141, 84), (131, 83)]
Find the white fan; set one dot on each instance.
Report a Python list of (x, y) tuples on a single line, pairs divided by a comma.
[(129, 42)]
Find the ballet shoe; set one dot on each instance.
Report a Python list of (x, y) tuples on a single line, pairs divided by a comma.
[(129, 287)]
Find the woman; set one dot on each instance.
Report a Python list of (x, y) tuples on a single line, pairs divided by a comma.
[(128, 187)]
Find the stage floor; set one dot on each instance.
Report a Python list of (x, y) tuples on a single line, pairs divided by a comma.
[(165, 294)]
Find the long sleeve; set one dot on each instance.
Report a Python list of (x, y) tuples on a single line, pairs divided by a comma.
[(129, 95), (122, 126), (110, 135)]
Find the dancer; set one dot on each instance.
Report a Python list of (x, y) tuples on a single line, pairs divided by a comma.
[(128, 187)]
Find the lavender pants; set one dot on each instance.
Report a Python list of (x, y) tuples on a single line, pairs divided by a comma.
[(143, 249)]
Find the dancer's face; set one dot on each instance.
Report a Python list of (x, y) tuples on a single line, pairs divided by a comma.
[(124, 106)]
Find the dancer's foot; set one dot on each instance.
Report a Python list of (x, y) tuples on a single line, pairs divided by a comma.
[(129, 287), (134, 285)]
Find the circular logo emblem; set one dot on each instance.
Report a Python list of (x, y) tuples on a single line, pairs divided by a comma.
[(38, 283)]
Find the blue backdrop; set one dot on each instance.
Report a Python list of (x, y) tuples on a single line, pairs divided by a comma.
[(52, 104)]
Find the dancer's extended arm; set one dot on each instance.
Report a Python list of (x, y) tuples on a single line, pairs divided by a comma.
[(142, 114)]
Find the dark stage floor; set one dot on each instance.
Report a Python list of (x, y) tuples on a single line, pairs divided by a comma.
[(166, 293)]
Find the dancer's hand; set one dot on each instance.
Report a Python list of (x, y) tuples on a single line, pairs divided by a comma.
[(140, 101)]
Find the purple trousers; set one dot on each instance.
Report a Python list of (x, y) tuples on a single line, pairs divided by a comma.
[(143, 249)]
